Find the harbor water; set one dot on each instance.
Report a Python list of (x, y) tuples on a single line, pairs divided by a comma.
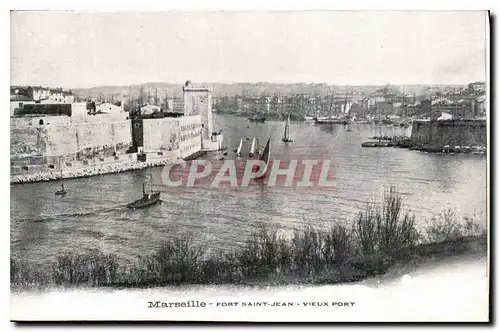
[(93, 215)]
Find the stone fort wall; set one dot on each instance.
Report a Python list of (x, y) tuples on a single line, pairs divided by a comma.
[(450, 132)]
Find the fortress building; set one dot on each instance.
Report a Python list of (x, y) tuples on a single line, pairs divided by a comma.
[(50, 141), (198, 101)]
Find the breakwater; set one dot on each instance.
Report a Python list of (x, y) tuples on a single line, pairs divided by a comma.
[(92, 170)]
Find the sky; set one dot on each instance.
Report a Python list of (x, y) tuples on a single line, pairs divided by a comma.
[(84, 49)]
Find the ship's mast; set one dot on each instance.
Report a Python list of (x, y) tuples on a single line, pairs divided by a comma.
[(331, 104)]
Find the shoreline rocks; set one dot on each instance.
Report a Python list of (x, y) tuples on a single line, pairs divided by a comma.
[(89, 171), (407, 143)]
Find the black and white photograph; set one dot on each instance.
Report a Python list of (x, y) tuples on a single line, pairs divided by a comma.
[(250, 166)]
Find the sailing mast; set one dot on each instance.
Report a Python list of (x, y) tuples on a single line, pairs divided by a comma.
[(287, 127), (151, 180), (286, 136), (238, 152), (331, 103), (252, 148), (166, 100)]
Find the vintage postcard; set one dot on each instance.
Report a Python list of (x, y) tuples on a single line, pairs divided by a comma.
[(250, 166)]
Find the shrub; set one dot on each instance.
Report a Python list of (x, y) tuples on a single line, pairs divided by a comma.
[(94, 268), (445, 226), (383, 229)]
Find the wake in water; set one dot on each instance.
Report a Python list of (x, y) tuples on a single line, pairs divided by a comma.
[(94, 212)]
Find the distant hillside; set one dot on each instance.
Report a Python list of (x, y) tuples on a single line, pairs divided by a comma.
[(248, 89)]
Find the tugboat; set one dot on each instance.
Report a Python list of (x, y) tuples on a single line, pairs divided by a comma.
[(147, 199), (62, 191)]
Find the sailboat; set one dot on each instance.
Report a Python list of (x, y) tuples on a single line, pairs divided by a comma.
[(286, 135), (252, 148), (331, 119), (238, 150), (148, 199), (62, 191), (264, 156)]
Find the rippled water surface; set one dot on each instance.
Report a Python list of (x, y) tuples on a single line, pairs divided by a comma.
[(93, 214)]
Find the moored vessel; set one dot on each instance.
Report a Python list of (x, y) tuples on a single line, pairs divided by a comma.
[(257, 119)]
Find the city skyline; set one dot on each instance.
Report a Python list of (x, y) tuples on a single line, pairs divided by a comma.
[(84, 50)]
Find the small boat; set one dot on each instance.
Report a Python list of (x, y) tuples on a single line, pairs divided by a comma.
[(147, 199), (330, 120), (286, 135), (195, 155), (309, 119), (375, 144), (257, 119), (62, 191)]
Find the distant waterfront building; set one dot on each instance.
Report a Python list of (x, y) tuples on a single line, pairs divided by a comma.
[(150, 109), (445, 116), (56, 95), (460, 107), (17, 101), (477, 87), (109, 108)]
